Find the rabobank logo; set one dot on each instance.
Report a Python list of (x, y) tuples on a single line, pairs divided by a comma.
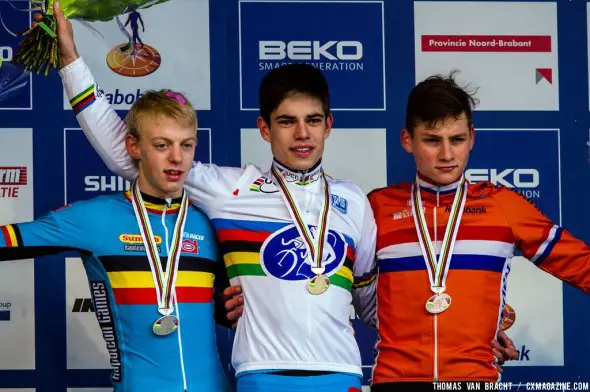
[(284, 255), (15, 82), (533, 172), (351, 58)]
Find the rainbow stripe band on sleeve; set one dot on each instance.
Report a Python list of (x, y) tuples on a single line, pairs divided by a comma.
[(11, 236), (83, 100), (364, 280)]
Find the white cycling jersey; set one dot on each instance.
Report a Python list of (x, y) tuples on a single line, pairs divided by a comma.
[(283, 326)]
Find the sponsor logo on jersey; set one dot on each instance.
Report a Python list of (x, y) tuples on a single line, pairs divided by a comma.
[(402, 214), (11, 179), (137, 239), (285, 255), (263, 184), (340, 203), (192, 236), (102, 308), (138, 248), (469, 210), (190, 246)]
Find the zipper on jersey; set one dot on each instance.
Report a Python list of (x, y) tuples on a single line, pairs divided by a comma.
[(175, 300), (436, 316)]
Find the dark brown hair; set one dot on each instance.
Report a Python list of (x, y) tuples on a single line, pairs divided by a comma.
[(438, 98), (289, 80)]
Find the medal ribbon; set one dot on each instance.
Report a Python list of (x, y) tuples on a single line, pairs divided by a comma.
[(438, 269), (315, 248), (164, 281)]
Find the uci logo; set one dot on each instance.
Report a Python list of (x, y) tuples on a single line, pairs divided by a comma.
[(285, 255)]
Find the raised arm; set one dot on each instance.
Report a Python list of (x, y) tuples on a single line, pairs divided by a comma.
[(103, 127)]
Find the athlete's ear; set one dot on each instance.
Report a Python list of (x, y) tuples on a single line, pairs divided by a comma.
[(471, 136), (132, 146), (264, 128), (405, 139), (329, 123)]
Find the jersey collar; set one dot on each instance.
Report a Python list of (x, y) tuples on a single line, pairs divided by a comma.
[(299, 177), (426, 184), (157, 205)]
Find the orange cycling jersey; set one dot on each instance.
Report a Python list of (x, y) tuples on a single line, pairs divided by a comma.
[(454, 345)]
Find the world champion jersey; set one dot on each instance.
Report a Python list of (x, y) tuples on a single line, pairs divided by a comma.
[(105, 232), (454, 345), (283, 326)]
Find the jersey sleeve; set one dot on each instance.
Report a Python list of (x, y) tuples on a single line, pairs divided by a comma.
[(206, 185), (547, 245), (103, 127), (364, 289), (56, 232), (221, 283)]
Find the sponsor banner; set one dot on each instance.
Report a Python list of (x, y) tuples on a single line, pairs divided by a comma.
[(164, 46), (86, 176), (340, 147), (534, 172), (16, 92), (351, 58), (86, 346), (17, 295), (513, 61)]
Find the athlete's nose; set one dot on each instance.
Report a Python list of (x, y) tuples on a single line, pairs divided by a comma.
[(446, 151), (175, 154), (301, 130)]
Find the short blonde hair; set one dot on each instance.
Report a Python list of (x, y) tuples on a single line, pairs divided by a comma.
[(162, 103)]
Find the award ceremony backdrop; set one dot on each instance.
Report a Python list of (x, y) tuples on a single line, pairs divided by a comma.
[(528, 59)]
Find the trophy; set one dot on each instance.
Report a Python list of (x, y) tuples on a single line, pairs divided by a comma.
[(39, 52)]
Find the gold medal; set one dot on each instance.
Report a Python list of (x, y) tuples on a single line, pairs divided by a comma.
[(318, 284), (313, 241), (438, 303)]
